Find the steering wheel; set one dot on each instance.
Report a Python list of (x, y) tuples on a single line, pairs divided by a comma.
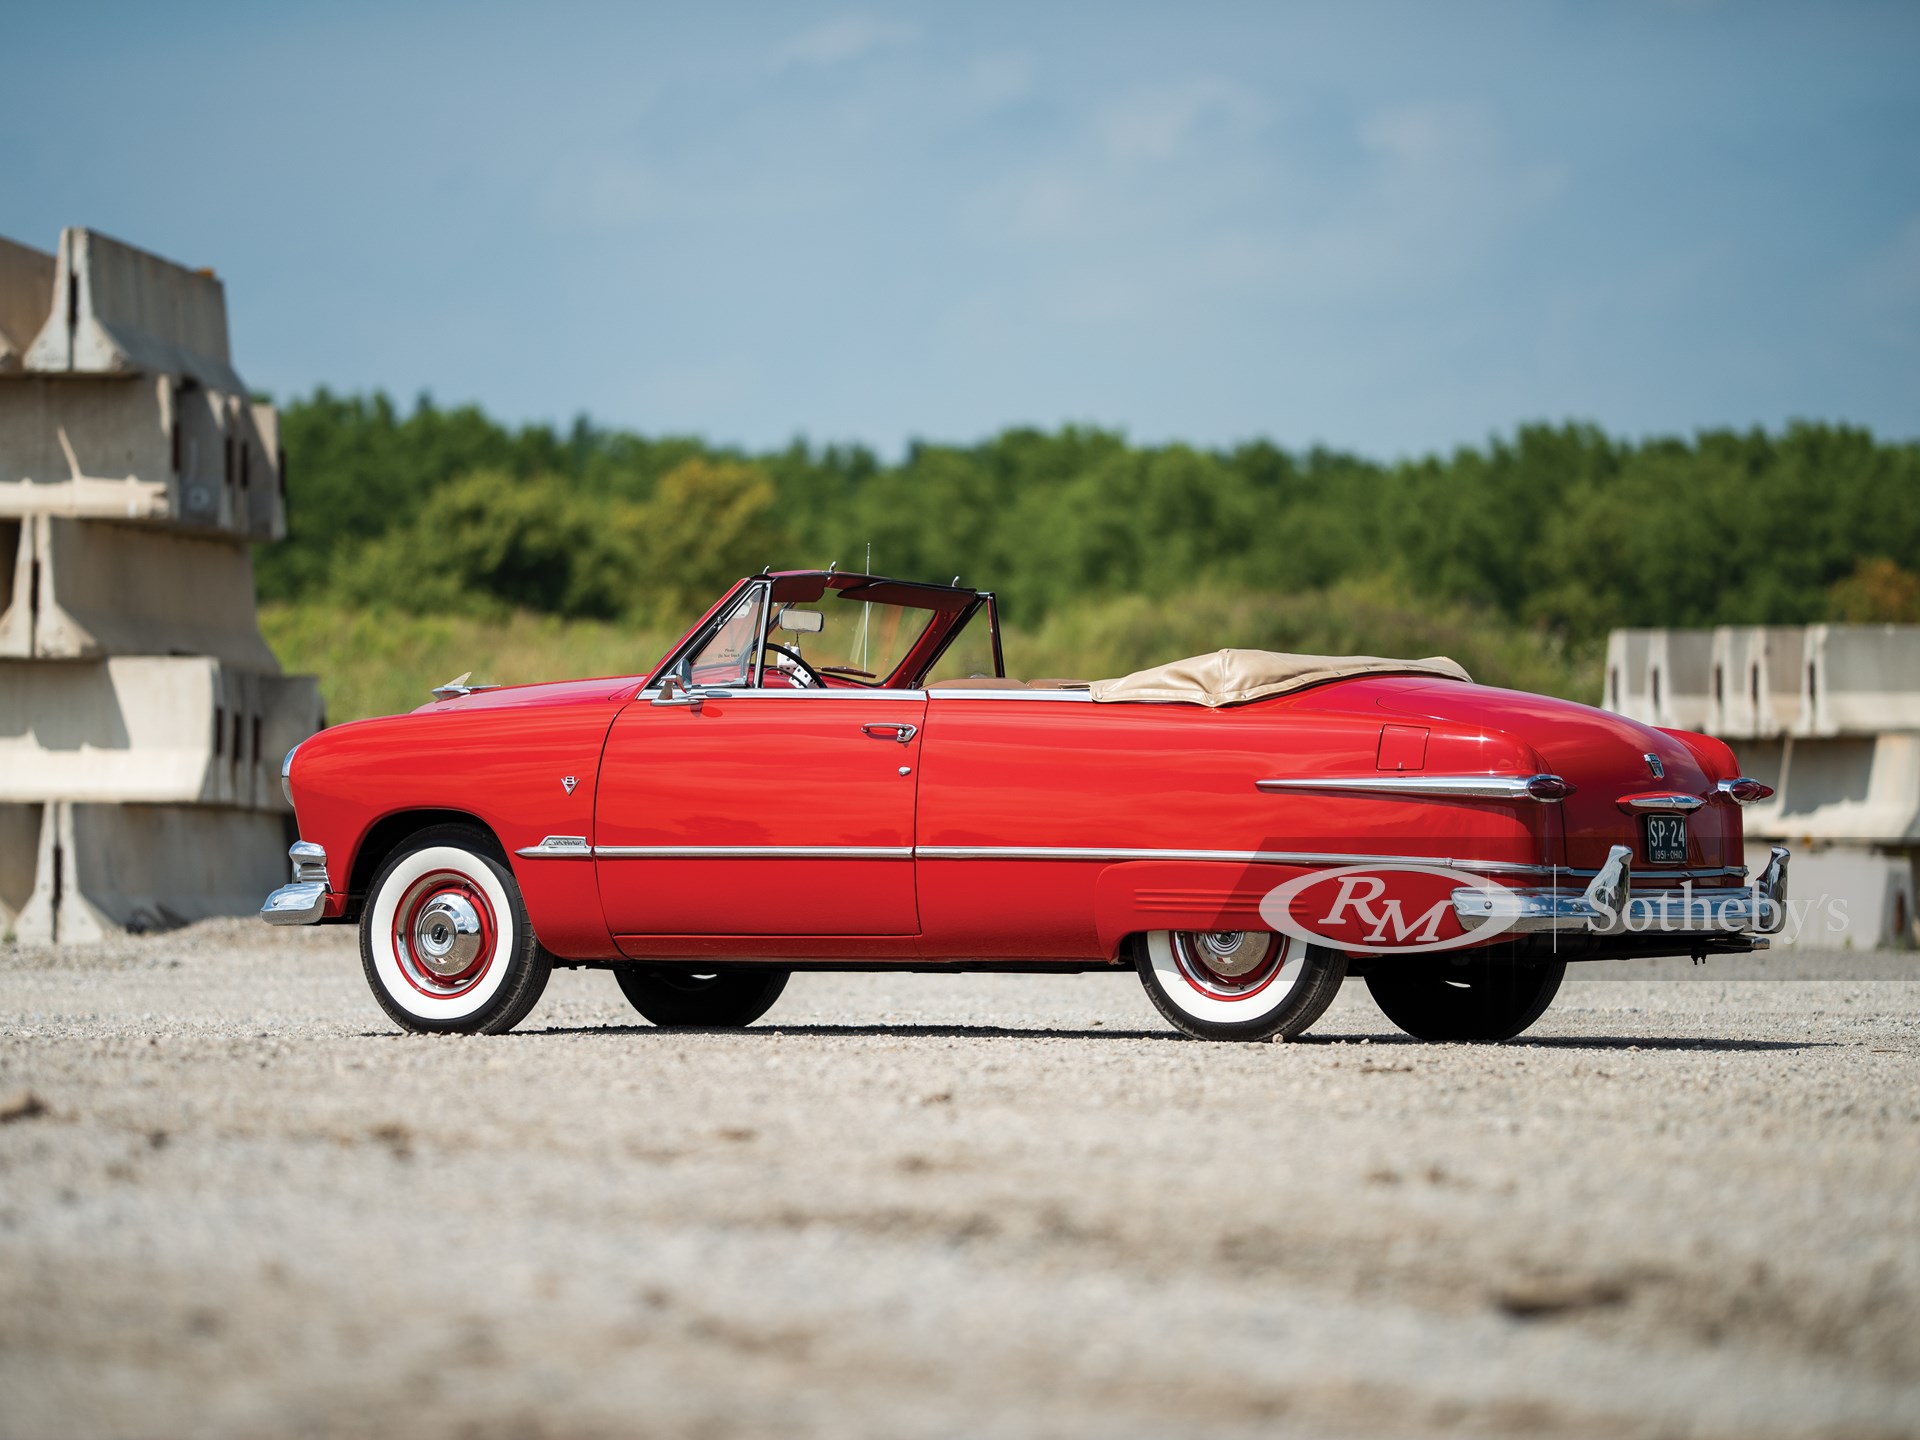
[(813, 680)]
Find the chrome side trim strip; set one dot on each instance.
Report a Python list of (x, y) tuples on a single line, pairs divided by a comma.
[(559, 847), (753, 852), (1477, 787), (1235, 857), (938, 694), (573, 846)]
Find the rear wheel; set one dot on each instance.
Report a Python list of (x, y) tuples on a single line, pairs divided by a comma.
[(445, 940), (1237, 984), (711, 1000), (1467, 997)]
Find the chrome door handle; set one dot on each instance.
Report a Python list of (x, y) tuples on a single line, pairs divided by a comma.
[(891, 730)]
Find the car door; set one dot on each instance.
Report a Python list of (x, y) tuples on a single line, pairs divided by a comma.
[(734, 809), (760, 812)]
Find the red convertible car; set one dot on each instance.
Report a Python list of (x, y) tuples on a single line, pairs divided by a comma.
[(833, 771)]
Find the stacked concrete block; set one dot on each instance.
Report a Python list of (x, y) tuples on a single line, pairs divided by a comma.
[(26, 293), (1680, 678), (1756, 680), (125, 404), (1627, 683), (142, 715), (1829, 716)]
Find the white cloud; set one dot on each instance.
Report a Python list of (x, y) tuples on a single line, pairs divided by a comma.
[(1160, 123), (998, 79), (842, 39)]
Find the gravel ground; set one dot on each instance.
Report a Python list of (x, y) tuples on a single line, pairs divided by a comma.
[(234, 1201)]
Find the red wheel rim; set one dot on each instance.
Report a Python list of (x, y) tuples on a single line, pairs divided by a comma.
[(1190, 955), (430, 942)]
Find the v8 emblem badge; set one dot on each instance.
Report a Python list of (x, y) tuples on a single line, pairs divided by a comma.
[(567, 782)]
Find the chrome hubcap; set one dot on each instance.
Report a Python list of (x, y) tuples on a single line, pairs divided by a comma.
[(446, 936), (1233, 953)]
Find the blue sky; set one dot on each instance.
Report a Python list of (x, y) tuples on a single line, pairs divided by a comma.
[(1387, 228)]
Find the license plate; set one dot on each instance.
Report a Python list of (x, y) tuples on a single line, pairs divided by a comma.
[(1667, 839)]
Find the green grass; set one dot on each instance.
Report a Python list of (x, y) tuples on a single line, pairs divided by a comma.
[(1114, 637), (382, 662), (374, 662)]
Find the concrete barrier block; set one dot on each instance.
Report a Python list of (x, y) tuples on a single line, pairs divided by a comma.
[(1736, 707), (1680, 678), (1860, 680), (120, 310), (19, 860), (1765, 761), (1626, 675), (1863, 788), (156, 449), (1845, 897), (268, 515), (26, 299), (106, 868), (150, 730), (106, 589), (1756, 680), (18, 588)]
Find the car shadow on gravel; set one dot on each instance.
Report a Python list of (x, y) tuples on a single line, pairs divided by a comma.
[(1589, 1042), (933, 1031), (936, 1031)]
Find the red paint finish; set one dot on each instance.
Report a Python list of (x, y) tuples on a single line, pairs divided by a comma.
[(499, 757), (1402, 747), (784, 769), (1603, 754), (1101, 777)]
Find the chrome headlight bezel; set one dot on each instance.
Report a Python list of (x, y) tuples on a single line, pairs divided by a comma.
[(286, 773)]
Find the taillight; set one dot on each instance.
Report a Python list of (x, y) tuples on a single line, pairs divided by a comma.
[(1549, 787), (1746, 791)]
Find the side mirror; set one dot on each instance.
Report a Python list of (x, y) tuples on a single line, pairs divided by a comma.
[(674, 690)]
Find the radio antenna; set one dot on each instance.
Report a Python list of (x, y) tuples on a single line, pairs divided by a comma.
[(866, 611)]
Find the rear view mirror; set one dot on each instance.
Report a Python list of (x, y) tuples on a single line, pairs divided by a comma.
[(802, 622)]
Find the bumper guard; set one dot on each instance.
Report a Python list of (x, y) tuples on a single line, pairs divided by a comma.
[(1608, 905), (305, 900)]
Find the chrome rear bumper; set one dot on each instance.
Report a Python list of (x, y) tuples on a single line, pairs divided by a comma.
[(303, 902), (1608, 905)]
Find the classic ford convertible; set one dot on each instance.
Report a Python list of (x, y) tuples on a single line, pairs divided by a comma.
[(833, 771)]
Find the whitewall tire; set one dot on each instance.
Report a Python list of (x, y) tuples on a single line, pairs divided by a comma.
[(1237, 985), (445, 940)]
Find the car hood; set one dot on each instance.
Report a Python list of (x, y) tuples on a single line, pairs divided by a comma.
[(554, 692)]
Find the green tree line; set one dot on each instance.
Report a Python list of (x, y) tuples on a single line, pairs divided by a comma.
[(1559, 531)]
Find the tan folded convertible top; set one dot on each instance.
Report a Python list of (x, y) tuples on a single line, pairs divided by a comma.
[(1234, 677)]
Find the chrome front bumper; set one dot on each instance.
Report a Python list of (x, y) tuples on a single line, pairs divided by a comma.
[(303, 902), (1608, 905)]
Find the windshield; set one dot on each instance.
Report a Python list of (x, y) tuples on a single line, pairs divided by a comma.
[(843, 637), (808, 629)]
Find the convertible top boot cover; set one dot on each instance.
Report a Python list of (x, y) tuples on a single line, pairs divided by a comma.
[(1236, 677)]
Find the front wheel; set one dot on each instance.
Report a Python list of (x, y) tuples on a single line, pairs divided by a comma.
[(1470, 997), (1237, 984), (712, 1000), (445, 940)]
